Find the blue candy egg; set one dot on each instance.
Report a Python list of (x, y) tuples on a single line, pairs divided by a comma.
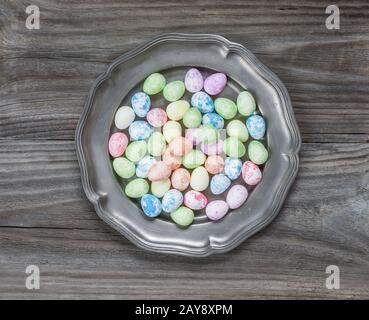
[(140, 130), (256, 126), (140, 102), (144, 165), (219, 183), (172, 200), (150, 205), (203, 102), (214, 119), (232, 167)]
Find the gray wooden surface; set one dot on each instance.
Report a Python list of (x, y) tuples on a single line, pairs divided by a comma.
[(45, 218)]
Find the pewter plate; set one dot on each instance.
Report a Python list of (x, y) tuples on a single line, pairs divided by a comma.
[(173, 54)]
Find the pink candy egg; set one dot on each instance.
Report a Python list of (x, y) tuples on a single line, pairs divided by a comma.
[(215, 83), (195, 200), (236, 196), (216, 209), (181, 179), (251, 173), (193, 80), (157, 117), (159, 171), (170, 160), (117, 144), (180, 146), (212, 149), (193, 136), (214, 164)]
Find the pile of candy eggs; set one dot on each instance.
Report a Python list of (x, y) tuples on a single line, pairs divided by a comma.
[(204, 154)]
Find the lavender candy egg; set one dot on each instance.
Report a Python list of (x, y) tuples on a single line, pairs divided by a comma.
[(193, 80), (151, 205), (216, 209), (215, 83), (144, 165), (236, 196), (172, 200), (203, 102), (140, 102), (140, 130), (214, 119), (219, 183), (256, 126), (232, 167)]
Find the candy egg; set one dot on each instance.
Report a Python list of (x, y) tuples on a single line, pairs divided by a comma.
[(236, 196), (193, 135), (140, 130), (257, 152), (195, 200), (199, 179), (172, 161), (226, 108), (182, 216), (156, 144), (215, 83), (123, 168), (193, 80), (208, 134), (214, 164), (213, 148), (192, 118), (117, 144), (159, 171), (251, 173), (233, 147), (174, 90), (171, 130), (214, 119), (154, 83), (177, 109), (203, 102), (193, 159), (140, 102), (217, 209), (246, 103), (136, 150), (256, 126), (157, 117), (144, 166), (172, 200), (180, 146), (151, 205), (136, 188), (124, 117), (219, 183), (232, 168), (237, 129), (181, 179), (160, 187)]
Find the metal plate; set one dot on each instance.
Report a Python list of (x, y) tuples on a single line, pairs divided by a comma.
[(172, 54)]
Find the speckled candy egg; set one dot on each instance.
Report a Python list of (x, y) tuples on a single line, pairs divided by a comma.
[(192, 118), (237, 129), (159, 188), (193, 135), (177, 109), (171, 130), (117, 144), (154, 83), (180, 179), (136, 188), (156, 144), (182, 216), (172, 161), (140, 102), (140, 130), (144, 165), (159, 171), (172, 200), (195, 200), (157, 117), (219, 183), (193, 80), (236, 196), (257, 152), (256, 126), (217, 209), (233, 147), (214, 164), (174, 90), (193, 159), (215, 83), (203, 102), (199, 179), (226, 108), (251, 173), (213, 148), (180, 146), (214, 119), (124, 117), (246, 104), (232, 167), (124, 168), (136, 150), (151, 205), (208, 134)]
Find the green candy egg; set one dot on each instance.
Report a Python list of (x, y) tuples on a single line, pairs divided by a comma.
[(137, 188), (174, 90), (192, 118), (234, 148), (154, 83), (208, 134), (124, 168), (136, 150), (183, 216), (193, 159), (246, 103), (156, 144), (257, 152), (226, 108), (237, 129), (159, 188)]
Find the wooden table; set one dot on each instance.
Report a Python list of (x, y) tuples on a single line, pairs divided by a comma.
[(46, 220)]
